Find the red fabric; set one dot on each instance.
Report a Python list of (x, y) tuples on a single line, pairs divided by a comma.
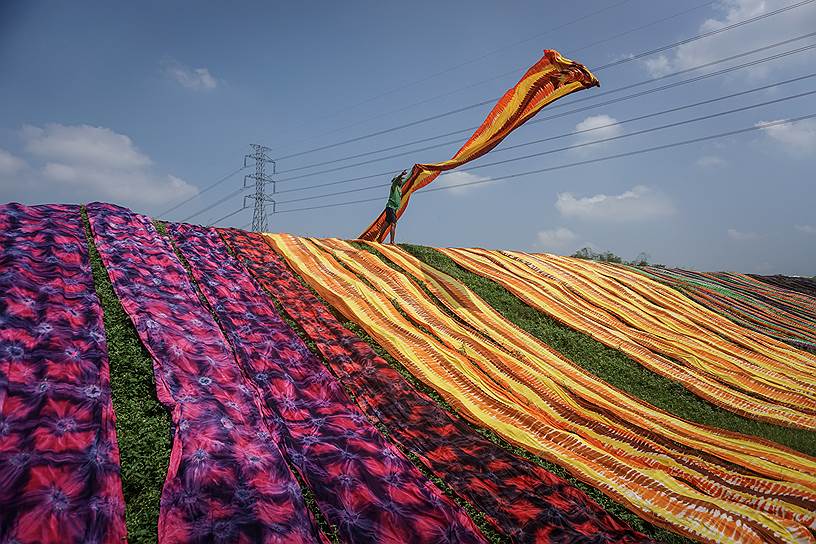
[(59, 459)]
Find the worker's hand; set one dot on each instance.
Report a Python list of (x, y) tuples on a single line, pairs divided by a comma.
[(404, 172)]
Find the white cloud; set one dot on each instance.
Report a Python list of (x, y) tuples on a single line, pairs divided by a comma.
[(9, 164), (807, 229), (596, 127), (556, 238), (735, 234), (640, 203), (455, 179), (711, 161), (774, 29), (83, 144), (197, 79), (797, 138), (98, 163)]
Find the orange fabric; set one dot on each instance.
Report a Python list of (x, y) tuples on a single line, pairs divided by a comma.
[(549, 79), (675, 473)]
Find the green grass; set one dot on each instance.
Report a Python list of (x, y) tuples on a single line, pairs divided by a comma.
[(610, 364), (142, 424)]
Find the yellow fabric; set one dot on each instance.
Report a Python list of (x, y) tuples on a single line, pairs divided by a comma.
[(740, 370), (667, 470), (551, 78)]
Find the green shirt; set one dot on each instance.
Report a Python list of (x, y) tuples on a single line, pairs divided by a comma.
[(395, 196)]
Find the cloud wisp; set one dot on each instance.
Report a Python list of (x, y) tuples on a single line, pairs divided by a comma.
[(196, 79), (640, 203), (776, 28)]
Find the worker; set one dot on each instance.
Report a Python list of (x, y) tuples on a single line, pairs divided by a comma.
[(393, 204)]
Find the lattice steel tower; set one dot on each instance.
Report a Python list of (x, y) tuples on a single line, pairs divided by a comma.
[(259, 155)]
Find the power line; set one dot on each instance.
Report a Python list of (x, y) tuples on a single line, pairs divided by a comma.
[(198, 194), (557, 106), (603, 67), (575, 110), (502, 75), (578, 146), (216, 203), (473, 60), (211, 223), (573, 164)]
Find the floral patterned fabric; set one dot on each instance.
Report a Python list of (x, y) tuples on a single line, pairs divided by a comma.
[(59, 459), (363, 485), (227, 480), (521, 500)]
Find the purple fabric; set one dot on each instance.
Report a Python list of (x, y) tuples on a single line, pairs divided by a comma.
[(363, 484), (59, 459), (227, 480)]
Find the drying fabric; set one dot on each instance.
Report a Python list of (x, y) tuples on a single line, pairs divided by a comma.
[(59, 459), (806, 286), (669, 471), (737, 369), (549, 79), (227, 480), (742, 306), (520, 499), (362, 484)]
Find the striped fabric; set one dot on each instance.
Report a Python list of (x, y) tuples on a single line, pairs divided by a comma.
[(737, 369), (756, 306), (363, 485), (549, 79), (59, 459), (227, 480), (522, 501), (806, 286), (671, 472)]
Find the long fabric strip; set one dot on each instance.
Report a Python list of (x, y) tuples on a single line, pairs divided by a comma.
[(794, 325), (806, 286), (363, 484), (742, 371), (227, 480), (59, 458), (661, 476), (549, 79), (521, 500)]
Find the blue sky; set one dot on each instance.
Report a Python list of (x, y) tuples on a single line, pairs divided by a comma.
[(146, 103)]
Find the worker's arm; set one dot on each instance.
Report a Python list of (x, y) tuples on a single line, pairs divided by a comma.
[(403, 178)]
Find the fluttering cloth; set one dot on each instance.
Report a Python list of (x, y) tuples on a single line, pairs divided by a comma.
[(740, 370), (748, 302), (59, 459), (227, 480), (672, 472), (549, 79), (363, 485), (520, 499)]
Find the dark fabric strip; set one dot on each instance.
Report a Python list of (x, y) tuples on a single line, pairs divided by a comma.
[(362, 483), (522, 500), (227, 480), (59, 459)]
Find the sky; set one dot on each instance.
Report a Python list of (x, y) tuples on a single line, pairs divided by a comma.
[(146, 104)]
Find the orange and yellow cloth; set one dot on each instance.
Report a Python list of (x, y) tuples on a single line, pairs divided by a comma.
[(549, 79)]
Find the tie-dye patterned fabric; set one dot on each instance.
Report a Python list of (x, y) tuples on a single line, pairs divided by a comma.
[(363, 485), (227, 480), (523, 501), (59, 459)]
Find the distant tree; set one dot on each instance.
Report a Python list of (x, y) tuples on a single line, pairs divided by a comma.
[(608, 257)]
